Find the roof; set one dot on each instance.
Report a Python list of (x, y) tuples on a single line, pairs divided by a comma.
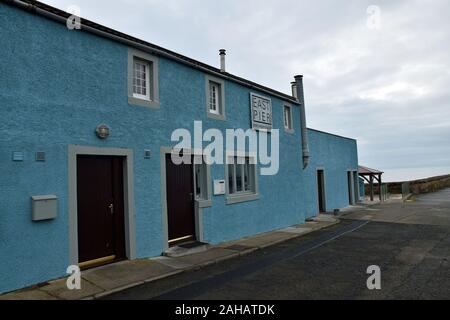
[(367, 171), (331, 134), (87, 25)]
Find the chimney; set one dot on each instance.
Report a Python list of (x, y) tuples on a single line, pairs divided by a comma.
[(304, 131), (294, 89), (222, 54)]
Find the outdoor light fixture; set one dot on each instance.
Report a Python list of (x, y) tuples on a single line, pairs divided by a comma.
[(102, 131)]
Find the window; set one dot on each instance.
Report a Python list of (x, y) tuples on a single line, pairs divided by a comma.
[(141, 81), (215, 98), (143, 87), (241, 179), (201, 182), (287, 118)]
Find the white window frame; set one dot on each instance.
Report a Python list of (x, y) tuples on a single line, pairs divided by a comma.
[(288, 124), (234, 162), (219, 112), (214, 88), (151, 98), (147, 87)]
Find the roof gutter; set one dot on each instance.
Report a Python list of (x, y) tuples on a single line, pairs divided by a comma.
[(33, 8)]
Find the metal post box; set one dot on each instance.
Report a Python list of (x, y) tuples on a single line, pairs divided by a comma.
[(44, 207)]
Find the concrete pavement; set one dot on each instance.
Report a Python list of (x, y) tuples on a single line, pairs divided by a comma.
[(109, 279), (427, 209)]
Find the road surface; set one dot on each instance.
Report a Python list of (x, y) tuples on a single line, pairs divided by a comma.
[(409, 242)]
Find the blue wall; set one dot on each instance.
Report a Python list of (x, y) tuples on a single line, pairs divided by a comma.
[(57, 85), (335, 155)]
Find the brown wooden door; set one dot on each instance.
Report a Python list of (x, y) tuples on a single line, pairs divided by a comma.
[(180, 201), (101, 231)]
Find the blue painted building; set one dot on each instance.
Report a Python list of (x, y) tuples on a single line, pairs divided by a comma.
[(91, 112)]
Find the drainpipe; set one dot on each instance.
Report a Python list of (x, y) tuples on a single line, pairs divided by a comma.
[(300, 96)]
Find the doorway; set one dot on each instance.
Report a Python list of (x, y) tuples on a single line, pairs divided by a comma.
[(180, 202), (100, 206), (321, 191), (356, 187), (350, 188)]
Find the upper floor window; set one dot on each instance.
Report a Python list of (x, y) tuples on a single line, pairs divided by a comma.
[(215, 98), (287, 118), (143, 86), (214, 93), (141, 79)]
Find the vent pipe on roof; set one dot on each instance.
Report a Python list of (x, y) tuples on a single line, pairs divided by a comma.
[(222, 54), (300, 97)]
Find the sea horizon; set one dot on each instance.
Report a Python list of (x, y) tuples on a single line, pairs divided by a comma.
[(409, 174)]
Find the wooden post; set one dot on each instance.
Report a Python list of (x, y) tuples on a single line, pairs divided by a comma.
[(371, 187), (379, 183)]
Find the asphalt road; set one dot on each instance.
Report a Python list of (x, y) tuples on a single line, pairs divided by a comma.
[(411, 245)]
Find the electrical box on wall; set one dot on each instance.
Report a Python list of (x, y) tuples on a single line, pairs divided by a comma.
[(219, 187), (44, 207)]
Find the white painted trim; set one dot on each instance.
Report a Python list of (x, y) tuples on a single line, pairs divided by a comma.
[(128, 179), (148, 87)]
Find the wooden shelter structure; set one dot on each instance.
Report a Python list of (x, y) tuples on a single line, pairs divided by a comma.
[(369, 175)]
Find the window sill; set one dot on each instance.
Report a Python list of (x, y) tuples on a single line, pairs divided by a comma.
[(216, 116), (231, 199), (143, 103), (201, 203)]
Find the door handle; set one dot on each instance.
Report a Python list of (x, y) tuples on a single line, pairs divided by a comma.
[(111, 208)]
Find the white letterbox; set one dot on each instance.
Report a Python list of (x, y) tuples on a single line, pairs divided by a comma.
[(44, 207), (219, 187)]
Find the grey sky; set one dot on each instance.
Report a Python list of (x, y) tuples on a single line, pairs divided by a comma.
[(389, 88)]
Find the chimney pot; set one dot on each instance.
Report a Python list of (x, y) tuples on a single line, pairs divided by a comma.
[(294, 89), (222, 54)]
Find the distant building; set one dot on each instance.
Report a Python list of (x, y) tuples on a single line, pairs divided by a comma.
[(85, 150)]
